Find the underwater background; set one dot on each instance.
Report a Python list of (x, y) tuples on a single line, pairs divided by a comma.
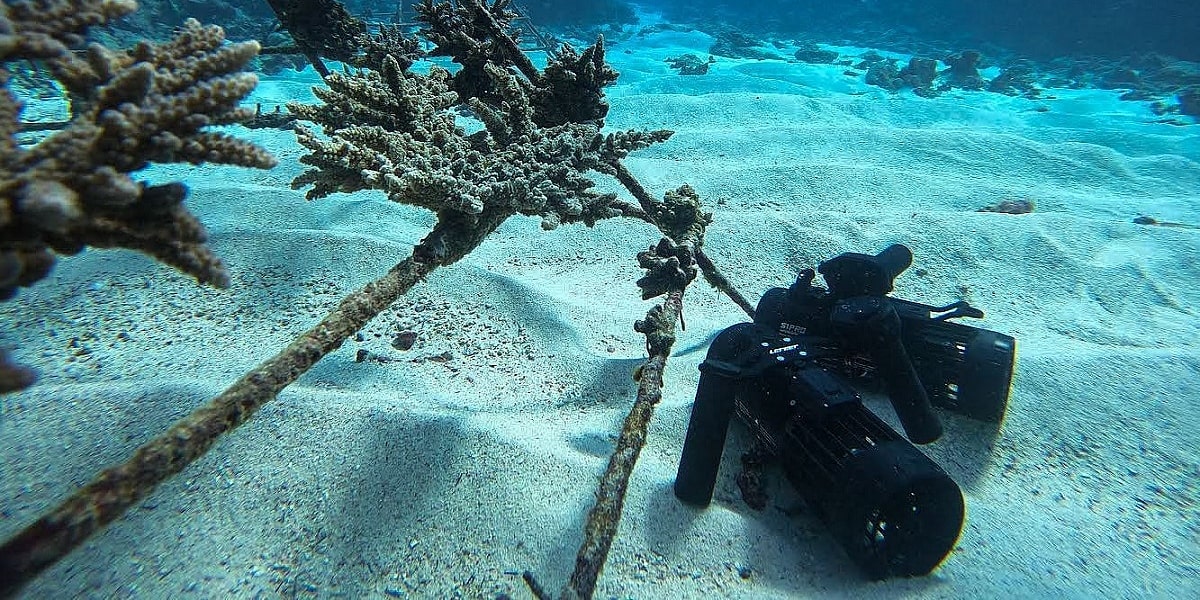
[(1041, 160)]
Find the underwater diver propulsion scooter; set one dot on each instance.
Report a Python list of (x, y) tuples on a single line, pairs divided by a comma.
[(788, 377)]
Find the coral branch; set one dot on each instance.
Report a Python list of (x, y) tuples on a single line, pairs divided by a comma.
[(474, 34), (152, 104), (322, 27), (385, 129), (130, 109), (572, 88), (711, 273), (395, 131), (47, 28)]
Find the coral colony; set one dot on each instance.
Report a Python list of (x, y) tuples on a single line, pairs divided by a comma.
[(152, 104), (381, 127)]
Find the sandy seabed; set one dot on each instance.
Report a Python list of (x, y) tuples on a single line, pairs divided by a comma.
[(435, 475)]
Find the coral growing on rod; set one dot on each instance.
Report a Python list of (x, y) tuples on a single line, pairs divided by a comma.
[(394, 131), (398, 131)]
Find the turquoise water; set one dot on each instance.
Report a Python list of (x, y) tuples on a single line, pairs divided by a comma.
[(449, 467)]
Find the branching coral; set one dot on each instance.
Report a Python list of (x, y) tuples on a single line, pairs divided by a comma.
[(388, 129), (406, 143), (572, 88), (474, 34), (321, 27), (396, 131), (388, 40), (47, 28), (152, 104)]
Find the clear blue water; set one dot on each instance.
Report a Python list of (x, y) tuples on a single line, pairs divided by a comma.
[(457, 440)]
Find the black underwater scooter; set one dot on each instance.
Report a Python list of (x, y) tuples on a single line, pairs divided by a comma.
[(788, 377)]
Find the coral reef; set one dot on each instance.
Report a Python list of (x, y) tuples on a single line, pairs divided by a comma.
[(921, 75), (1148, 53), (1038, 30), (964, 70), (918, 75), (151, 104)]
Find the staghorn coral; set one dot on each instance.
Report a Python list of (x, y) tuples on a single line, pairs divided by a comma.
[(417, 112), (397, 132), (394, 131), (572, 87), (130, 108), (474, 34), (388, 40), (47, 28), (406, 143), (321, 27), (151, 104)]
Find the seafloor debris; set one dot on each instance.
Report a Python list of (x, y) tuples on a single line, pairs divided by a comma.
[(690, 64), (1018, 206)]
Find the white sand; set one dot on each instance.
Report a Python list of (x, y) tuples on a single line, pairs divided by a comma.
[(426, 479)]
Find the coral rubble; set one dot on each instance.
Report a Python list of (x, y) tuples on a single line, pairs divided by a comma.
[(690, 64)]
